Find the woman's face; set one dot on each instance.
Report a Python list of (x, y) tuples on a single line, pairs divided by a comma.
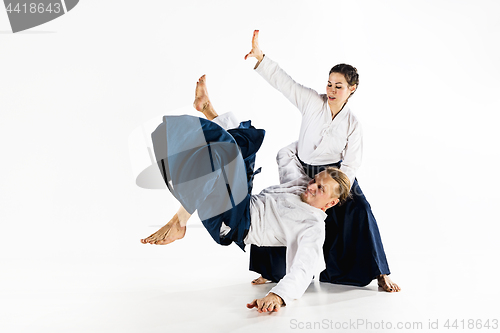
[(338, 90)]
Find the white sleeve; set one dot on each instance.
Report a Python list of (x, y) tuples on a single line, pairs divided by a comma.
[(353, 153), (227, 121), (289, 167), (302, 97), (301, 259)]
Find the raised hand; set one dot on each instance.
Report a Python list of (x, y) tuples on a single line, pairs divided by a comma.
[(256, 52)]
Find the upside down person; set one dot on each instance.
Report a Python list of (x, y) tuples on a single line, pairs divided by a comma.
[(210, 170)]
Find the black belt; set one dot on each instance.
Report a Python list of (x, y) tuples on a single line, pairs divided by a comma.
[(312, 170)]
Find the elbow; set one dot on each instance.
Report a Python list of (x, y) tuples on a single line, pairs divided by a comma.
[(284, 153), (287, 152)]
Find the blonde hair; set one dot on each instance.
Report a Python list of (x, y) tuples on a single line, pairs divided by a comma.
[(342, 192)]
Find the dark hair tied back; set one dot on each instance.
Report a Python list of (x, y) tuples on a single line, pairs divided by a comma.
[(350, 73)]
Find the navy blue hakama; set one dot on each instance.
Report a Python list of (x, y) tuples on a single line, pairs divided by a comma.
[(210, 170), (353, 250)]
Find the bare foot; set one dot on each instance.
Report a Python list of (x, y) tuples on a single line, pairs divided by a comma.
[(201, 99), (259, 280), (167, 234), (386, 284)]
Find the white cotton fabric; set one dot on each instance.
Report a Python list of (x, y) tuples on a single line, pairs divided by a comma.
[(227, 121), (280, 218), (321, 139)]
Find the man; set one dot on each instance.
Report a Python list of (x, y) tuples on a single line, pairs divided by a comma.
[(204, 172)]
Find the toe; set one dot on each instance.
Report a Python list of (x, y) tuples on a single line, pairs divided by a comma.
[(166, 241), (257, 281), (384, 286)]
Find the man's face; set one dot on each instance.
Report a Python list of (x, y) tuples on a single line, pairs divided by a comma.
[(319, 192)]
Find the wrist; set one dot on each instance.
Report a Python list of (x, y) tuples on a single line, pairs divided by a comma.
[(259, 60), (278, 297)]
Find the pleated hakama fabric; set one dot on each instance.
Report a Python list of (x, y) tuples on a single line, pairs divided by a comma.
[(353, 249), (210, 170)]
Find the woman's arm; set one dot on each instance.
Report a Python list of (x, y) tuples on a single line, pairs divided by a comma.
[(302, 97), (353, 153), (255, 52)]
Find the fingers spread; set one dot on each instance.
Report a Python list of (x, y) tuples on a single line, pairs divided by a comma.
[(260, 305), (252, 304), (266, 304)]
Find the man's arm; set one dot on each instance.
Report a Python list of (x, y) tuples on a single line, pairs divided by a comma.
[(302, 258), (270, 303)]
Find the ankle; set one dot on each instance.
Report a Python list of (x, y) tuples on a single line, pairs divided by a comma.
[(210, 113)]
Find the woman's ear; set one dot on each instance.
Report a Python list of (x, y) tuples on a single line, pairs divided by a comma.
[(353, 88)]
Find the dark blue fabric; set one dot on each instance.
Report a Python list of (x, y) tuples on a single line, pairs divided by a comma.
[(248, 139), (210, 170), (353, 250), (268, 261)]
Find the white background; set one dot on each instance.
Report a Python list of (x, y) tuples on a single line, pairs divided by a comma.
[(71, 216)]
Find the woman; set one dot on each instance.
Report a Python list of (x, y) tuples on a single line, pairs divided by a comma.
[(329, 135)]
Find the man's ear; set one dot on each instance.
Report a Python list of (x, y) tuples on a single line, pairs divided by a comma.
[(332, 203)]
